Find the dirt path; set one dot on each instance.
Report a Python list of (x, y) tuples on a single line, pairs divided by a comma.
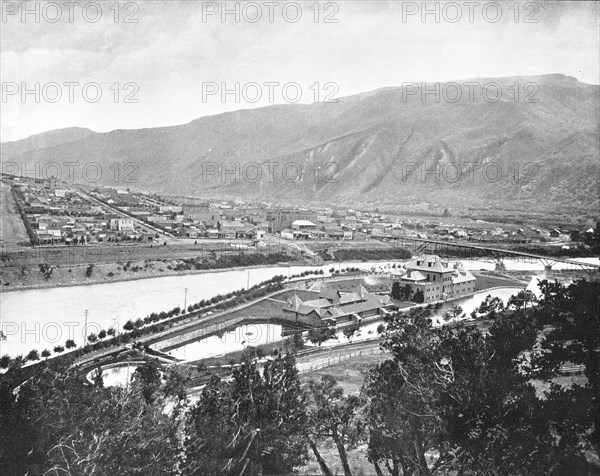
[(12, 229)]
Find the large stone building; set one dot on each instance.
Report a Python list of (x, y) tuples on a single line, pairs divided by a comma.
[(437, 278), (335, 307), (282, 218), (122, 224)]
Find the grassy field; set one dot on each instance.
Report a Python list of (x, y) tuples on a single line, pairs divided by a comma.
[(272, 307), (487, 280), (12, 227)]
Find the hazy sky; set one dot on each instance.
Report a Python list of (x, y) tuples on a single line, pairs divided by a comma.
[(175, 50)]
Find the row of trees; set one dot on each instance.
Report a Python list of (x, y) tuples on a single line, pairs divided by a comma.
[(134, 327), (7, 361)]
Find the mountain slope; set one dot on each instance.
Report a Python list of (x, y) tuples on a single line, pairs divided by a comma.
[(380, 147)]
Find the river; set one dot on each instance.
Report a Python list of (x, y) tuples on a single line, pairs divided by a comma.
[(44, 318)]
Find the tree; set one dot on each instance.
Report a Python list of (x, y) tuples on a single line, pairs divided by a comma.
[(128, 326), (490, 307), (331, 414), (111, 331), (33, 355), (56, 424), (351, 331), (70, 344), (572, 315), (467, 396), (98, 378), (46, 270), (252, 425), (521, 299), (46, 353), (5, 361), (102, 334), (59, 349), (453, 313), (418, 297), (402, 393), (92, 337), (396, 290), (318, 335), (149, 378), (593, 239)]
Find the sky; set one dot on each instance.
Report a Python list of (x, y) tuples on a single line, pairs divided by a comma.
[(129, 65)]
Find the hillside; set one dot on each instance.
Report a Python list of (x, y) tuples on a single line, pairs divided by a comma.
[(372, 149)]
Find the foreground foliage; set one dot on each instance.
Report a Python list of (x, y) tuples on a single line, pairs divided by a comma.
[(450, 400)]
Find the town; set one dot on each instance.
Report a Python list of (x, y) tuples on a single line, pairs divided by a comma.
[(56, 214)]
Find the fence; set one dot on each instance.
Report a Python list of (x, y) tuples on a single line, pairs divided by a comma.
[(342, 358)]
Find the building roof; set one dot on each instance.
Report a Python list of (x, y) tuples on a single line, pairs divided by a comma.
[(232, 224), (317, 303), (461, 275), (429, 263), (414, 276), (356, 308), (303, 223), (334, 303)]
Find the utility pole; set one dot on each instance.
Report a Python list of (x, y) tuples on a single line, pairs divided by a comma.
[(185, 300), (248, 281), (85, 327)]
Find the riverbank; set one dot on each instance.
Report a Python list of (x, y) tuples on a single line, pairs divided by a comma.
[(75, 275), (30, 277), (67, 275)]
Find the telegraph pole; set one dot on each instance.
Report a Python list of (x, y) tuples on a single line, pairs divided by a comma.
[(248, 281), (185, 300), (85, 327)]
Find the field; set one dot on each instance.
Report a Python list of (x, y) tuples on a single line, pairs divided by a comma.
[(11, 225), (488, 279)]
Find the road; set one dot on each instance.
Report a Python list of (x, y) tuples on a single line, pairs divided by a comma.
[(327, 356), (12, 229), (141, 224)]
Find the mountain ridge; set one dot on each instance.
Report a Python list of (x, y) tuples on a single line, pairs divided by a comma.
[(371, 141)]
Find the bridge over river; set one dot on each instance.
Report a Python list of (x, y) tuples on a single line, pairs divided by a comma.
[(468, 250)]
